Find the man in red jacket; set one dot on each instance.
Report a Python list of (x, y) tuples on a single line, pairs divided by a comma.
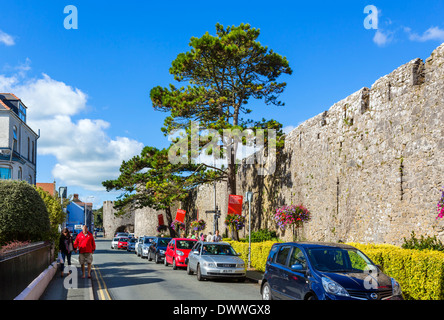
[(86, 245)]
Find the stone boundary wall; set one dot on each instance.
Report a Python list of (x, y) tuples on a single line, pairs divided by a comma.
[(369, 169)]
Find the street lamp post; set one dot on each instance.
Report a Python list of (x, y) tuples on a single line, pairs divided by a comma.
[(249, 196)]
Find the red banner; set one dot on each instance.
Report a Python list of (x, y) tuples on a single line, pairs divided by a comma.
[(235, 204), (180, 215), (160, 218)]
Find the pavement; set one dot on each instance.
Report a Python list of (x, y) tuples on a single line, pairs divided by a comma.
[(70, 287)]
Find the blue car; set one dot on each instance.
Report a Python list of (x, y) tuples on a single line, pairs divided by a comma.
[(157, 248), (324, 271)]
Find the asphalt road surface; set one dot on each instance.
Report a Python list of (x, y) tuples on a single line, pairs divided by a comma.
[(121, 275)]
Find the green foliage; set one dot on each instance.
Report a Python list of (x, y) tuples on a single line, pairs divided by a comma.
[(23, 214), (55, 212), (263, 235), (419, 272), (431, 243), (223, 73)]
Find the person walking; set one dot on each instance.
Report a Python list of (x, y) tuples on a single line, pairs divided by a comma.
[(217, 237), (66, 247), (86, 245)]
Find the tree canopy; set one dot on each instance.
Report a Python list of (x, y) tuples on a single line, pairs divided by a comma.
[(223, 73)]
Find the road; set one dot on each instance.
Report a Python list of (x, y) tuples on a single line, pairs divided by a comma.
[(121, 275)]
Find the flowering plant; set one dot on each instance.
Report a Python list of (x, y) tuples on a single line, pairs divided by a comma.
[(198, 225), (235, 220), (291, 215), (177, 225), (440, 205)]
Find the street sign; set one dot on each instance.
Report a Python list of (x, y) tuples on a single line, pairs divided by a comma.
[(235, 204), (180, 215)]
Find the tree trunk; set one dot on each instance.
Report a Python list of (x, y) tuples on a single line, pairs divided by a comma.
[(169, 218)]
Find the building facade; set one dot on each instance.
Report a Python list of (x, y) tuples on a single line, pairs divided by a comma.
[(18, 142), (77, 216)]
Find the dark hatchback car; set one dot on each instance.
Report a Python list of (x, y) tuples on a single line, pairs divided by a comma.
[(157, 249), (324, 271)]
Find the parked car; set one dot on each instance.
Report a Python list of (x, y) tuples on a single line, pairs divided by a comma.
[(121, 234), (324, 271), (122, 243), (157, 249), (138, 247), (115, 242), (177, 252), (145, 246), (215, 260), (131, 244)]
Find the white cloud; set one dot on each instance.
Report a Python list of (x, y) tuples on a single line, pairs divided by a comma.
[(6, 39), (85, 154), (433, 33), (381, 38)]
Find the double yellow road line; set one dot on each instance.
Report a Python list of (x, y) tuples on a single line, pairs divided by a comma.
[(102, 291)]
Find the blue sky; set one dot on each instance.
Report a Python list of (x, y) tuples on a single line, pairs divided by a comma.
[(88, 89)]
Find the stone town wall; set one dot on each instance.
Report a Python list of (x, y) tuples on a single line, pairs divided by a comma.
[(111, 222), (369, 169)]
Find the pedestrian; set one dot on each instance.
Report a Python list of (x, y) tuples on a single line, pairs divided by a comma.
[(202, 237), (217, 237), (66, 247), (86, 245), (210, 237)]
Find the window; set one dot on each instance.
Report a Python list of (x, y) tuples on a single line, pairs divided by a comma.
[(30, 179), (297, 256), (15, 139), (22, 112), (32, 153), (29, 148), (282, 255), (20, 174), (5, 173)]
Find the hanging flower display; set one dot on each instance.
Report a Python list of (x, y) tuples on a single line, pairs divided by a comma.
[(178, 226), (440, 205), (198, 225), (294, 215), (235, 221)]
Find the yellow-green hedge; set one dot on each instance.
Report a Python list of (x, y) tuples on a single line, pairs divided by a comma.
[(420, 273), (259, 252)]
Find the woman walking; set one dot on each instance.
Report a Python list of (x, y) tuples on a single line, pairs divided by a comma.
[(66, 247)]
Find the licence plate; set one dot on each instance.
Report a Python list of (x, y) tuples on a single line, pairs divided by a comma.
[(227, 271)]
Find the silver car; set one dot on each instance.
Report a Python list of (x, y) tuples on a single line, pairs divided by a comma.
[(215, 260)]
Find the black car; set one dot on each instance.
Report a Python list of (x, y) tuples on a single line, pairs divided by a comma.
[(157, 249), (324, 271)]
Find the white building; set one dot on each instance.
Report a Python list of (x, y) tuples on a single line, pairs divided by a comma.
[(18, 142)]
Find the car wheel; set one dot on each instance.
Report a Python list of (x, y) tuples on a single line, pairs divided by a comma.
[(165, 262), (266, 292), (199, 274), (156, 258), (189, 271), (149, 256), (174, 264)]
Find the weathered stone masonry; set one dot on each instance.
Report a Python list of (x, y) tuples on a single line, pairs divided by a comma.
[(369, 169)]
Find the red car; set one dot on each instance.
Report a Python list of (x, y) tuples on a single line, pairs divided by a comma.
[(177, 251), (123, 243)]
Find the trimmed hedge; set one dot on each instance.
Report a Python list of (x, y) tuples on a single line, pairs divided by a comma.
[(420, 273), (23, 214)]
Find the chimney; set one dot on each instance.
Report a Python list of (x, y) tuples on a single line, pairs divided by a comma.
[(76, 197)]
